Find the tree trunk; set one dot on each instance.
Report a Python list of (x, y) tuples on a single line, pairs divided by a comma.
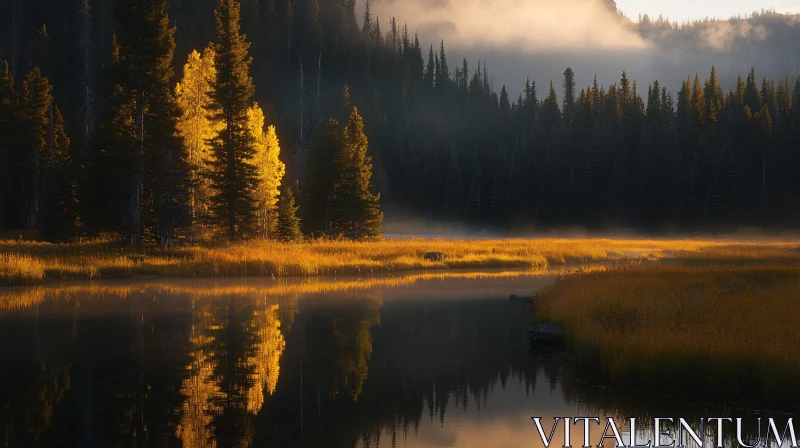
[(33, 205), (135, 209)]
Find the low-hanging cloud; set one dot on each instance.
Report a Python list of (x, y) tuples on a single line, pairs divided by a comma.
[(722, 35), (528, 26)]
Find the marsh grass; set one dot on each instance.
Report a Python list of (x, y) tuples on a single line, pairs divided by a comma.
[(102, 259), (726, 330), (16, 269)]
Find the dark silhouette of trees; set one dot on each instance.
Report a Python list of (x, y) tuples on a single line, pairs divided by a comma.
[(444, 143)]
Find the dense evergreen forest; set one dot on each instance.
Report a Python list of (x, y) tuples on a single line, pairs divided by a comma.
[(147, 118)]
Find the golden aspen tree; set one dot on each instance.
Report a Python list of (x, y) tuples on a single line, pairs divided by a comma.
[(269, 168), (198, 125)]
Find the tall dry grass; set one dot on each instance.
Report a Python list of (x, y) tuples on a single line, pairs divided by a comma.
[(16, 269), (99, 259), (724, 330)]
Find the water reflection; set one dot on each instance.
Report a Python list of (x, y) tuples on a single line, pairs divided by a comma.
[(420, 360)]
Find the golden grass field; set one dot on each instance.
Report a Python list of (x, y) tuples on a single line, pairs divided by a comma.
[(30, 263), (686, 325)]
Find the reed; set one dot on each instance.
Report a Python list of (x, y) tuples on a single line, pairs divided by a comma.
[(20, 270), (723, 330)]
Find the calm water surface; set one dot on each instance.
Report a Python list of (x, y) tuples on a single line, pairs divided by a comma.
[(424, 360)]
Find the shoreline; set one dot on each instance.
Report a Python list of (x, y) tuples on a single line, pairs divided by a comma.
[(29, 263)]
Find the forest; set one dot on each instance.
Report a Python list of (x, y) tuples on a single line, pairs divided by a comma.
[(171, 121)]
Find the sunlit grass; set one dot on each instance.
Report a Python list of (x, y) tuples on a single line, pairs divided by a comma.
[(725, 329), (18, 269), (100, 259)]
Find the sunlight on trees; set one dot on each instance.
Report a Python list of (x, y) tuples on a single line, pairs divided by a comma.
[(197, 124), (270, 170), (200, 123)]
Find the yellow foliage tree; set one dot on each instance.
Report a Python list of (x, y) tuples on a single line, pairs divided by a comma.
[(197, 124), (270, 169)]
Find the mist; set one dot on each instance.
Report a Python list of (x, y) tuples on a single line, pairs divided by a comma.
[(538, 39), (526, 26)]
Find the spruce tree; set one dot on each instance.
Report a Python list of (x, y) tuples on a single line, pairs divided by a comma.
[(505, 106), (569, 97), (318, 177), (10, 181), (58, 208), (473, 205), (108, 172), (288, 228), (233, 176), (167, 171), (454, 189), (722, 204), (354, 211), (36, 109), (158, 164), (751, 95), (699, 182)]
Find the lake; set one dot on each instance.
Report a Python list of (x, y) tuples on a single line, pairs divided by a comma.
[(417, 360)]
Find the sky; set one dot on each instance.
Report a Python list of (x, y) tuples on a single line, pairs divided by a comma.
[(678, 10)]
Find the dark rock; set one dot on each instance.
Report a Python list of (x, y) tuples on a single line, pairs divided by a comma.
[(433, 256), (546, 336)]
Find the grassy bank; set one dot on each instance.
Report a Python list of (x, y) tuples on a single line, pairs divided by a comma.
[(683, 327), (26, 263)]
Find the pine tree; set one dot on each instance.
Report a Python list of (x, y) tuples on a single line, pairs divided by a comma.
[(699, 182), (722, 204), (40, 52), (58, 210), (108, 173), (167, 175), (473, 205), (505, 106), (233, 176), (571, 208), (430, 71), (453, 193), (318, 177), (288, 228), (751, 95), (10, 161), (569, 97), (159, 166), (714, 102), (354, 210), (36, 105)]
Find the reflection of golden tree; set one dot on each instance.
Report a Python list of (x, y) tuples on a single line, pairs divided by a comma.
[(268, 350), (199, 388), (355, 368), (236, 350), (51, 383), (351, 344)]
